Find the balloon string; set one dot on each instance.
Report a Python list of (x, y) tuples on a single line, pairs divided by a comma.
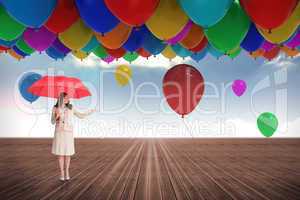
[(35, 121), (187, 127)]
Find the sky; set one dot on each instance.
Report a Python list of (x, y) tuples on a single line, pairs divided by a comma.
[(140, 110)]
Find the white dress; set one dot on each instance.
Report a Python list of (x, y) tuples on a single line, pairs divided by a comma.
[(63, 141)]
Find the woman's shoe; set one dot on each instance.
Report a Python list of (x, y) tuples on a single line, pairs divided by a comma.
[(61, 178), (67, 178)]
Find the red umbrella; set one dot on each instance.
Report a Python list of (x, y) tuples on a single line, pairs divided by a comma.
[(52, 86)]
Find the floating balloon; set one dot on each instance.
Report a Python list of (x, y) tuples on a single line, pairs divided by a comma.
[(19, 52), (132, 12), (92, 44), (268, 46), (80, 54), (108, 59), (183, 87), (223, 36), (8, 43), (144, 53), (96, 15), (185, 30), (267, 124), (239, 87), (272, 53), (200, 46), (167, 20), (193, 38), (234, 53), (77, 36), (206, 13), (180, 51), (23, 46), (152, 44), (269, 14), (60, 47), (55, 54), (25, 82), (10, 29), (214, 52), (13, 54), (39, 39), (257, 53), (116, 37), (294, 41), (100, 52), (253, 39), (123, 74), (168, 53), (289, 52), (136, 39), (31, 13), (130, 56), (116, 53), (64, 15), (2, 48), (284, 31), (199, 55)]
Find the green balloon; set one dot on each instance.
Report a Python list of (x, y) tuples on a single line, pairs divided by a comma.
[(21, 44), (234, 53), (267, 123), (100, 52), (130, 56), (10, 29), (230, 31)]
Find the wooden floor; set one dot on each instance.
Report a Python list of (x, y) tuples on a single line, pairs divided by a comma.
[(153, 169)]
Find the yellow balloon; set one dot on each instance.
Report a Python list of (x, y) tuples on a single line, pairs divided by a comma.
[(168, 20), (77, 36), (284, 31), (15, 55), (80, 54), (168, 53), (257, 53), (289, 52), (123, 74)]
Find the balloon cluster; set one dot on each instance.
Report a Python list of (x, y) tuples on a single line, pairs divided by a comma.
[(113, 29)]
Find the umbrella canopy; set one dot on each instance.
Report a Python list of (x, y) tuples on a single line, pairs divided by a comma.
[(52, 86)]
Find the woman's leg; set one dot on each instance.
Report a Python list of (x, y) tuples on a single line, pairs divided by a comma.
[(67, 162), (61, 165)]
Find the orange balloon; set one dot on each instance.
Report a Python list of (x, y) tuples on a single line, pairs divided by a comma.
[(14, 54), (272, 53), (257, 53), (142, 52), (193, 38), (115, 38), (289, 52)]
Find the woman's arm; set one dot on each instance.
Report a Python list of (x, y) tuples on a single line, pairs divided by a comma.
[(53, 116), (82, 114)]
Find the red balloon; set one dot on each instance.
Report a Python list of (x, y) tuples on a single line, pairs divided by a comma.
[(183, 87), (116, 53), (64, 15), (3, 48), (269, 14), (132, 12), (200, 46), (272, 53), (142, 52)]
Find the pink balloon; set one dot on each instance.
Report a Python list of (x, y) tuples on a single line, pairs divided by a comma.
[(39, 39), (108, 59), (181, 34), (267, 46), (294, 42), (239, 87)]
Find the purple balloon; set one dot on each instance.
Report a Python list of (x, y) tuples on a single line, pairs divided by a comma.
[(181, 34), (39, 39), (59, 46), (295, 41), (267, 46), (239, 87), (108, 59)]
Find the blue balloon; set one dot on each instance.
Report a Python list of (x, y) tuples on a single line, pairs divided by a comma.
[(205, 13), (96, 15), (152, 44), (136, 39), (214, 52), (25, 82), (298, 48), (92, 44), (31, 13), (253, 39), (8, 43), (181, 51), (54, 53), (19, 52), (199, 55)]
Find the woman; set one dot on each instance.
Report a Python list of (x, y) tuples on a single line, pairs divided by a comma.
[(63, 141)]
